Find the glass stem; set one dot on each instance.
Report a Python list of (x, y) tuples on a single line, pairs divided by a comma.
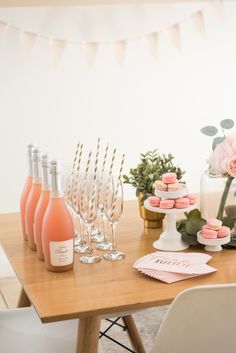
[(105, 239), (220, 213), (90, 248), (113, 228)]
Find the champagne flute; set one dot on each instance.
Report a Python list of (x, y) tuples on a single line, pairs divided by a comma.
[(88, 207), (105, 244), (113, 208)]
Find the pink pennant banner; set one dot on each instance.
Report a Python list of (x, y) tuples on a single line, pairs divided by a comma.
[(90, 52), (3, 26), (173, 33), (152, 44), (198, 22), (27, 42), (119, 48), (57, 47), (218, 7)]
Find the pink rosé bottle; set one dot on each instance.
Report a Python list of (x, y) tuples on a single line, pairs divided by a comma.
[(57, 229), (33, 198), (41, 207), (26, 190)]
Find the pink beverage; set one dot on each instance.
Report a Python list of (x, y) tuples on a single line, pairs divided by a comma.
[(41, 207), (33, 198), (26, 190), (57, 229)]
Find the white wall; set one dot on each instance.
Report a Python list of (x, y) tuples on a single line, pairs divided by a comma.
[(144, 105)]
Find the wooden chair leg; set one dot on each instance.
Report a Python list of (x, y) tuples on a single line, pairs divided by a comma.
[(133, 333), (23, 300), (88, 334)]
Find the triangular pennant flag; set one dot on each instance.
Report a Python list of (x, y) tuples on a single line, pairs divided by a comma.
[(27, 41), (119, 48), (3, 26), (57, 47), (173, 34), (218, 7), (90, 51), (152, 44), (198, 22)]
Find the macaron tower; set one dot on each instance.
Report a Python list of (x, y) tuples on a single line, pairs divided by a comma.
[(170, 193), (171, 197), (213, 235)]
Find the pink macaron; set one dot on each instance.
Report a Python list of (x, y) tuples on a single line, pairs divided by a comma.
[(183, 202), (192, 199), (169, 178), (159, 185), (209, 233), (154, 201), (175, 187), (214, 224), (167, 203), (223, 232)]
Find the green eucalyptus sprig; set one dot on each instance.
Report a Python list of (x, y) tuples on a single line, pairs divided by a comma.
[(211, 131), (151, 167)]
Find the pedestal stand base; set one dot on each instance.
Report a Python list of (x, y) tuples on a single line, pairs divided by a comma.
[(175, 243)]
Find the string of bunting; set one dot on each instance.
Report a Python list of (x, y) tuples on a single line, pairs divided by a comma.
[(57, 45)]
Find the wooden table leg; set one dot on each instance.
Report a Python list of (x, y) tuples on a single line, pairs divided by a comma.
[(134, 336), (88, 334), (23, 300)]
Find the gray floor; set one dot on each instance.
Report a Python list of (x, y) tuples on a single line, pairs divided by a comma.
[(147, 321)]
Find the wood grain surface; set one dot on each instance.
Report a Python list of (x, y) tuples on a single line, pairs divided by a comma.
[(105, 287)]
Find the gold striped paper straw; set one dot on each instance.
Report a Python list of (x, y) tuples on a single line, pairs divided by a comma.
[(96, 160), (105, 159), (117, 187), (72, 172), (76, 181), (86, 175), (110, 173)]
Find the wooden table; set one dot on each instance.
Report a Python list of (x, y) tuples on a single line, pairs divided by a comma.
[(91, 291)]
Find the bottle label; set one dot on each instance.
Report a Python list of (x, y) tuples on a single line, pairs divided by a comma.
[(61, 252)]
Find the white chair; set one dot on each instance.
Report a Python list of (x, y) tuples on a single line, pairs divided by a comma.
[(22, 331), (200, 320)]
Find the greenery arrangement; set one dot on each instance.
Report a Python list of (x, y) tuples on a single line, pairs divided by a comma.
[(192, 224), (151, 167)]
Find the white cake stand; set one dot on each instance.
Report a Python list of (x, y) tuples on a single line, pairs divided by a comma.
[(213, 244), (170, 239)]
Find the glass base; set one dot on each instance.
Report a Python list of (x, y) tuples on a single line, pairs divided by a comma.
[(97, 237), (81, 248), (114, 256), (104, 246), (90, 259), (77, 240)]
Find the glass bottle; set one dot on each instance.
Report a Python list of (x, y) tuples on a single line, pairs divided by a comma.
[(26, 190), (217, 194), (33, 198), (57, 228), (41, 207)]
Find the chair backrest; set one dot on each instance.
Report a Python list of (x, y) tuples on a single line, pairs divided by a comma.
[(200, 320)]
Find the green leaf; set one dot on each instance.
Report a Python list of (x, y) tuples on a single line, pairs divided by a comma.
[(194, 214), (209, 130), (216, 141), (228, 222), (189, 239), (227, 124), (194, 225)]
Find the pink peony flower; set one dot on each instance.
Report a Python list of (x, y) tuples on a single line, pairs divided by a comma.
[(223, 158), (231, 166)]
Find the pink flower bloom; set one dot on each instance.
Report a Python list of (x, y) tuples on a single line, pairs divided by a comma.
[(231, 166), (223, 158)]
